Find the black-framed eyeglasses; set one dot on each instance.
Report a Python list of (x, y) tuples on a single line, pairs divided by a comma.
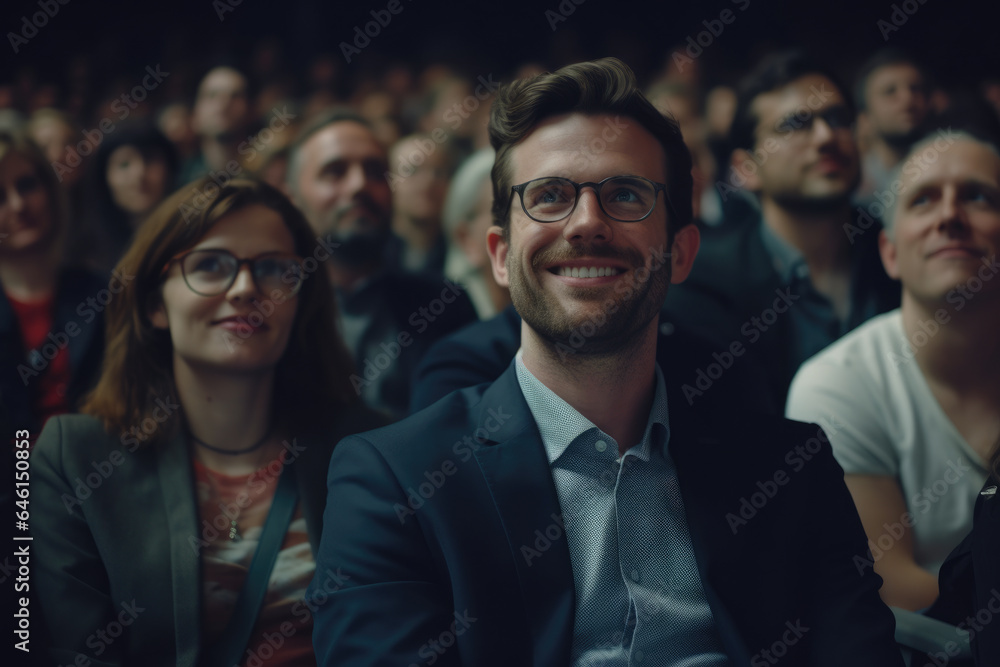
[(838, 117), (211, 272), (622, 198)]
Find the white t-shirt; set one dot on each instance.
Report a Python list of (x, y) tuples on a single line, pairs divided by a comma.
[(869, 395)]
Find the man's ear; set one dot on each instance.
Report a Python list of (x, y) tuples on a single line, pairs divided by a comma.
[(749, 180), (687, 240), (498, 247), (887, 249)]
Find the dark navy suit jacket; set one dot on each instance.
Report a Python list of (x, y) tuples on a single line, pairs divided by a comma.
[(444, 535)]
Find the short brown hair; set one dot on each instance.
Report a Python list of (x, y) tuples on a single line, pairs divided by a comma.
[(605, 86), (312, 376)]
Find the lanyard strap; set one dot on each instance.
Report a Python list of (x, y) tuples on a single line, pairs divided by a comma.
[(229, 647)]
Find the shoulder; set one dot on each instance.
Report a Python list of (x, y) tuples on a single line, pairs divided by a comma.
[(73, 440), (69, 427), (495, 339), (356, 418), (476, 353), (754, 447), (445, 430), (872, 350), (453, 412)]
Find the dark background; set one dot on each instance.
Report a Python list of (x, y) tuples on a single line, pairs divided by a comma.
[(956, 40)]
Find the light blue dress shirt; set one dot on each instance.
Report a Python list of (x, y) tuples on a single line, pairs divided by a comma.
[(639, 597)]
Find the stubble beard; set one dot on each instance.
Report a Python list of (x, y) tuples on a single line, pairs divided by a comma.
[(599, 333), (364, 241)]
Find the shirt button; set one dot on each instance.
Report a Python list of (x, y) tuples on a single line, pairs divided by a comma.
[(635, 576), (601, 445), (639, 656)]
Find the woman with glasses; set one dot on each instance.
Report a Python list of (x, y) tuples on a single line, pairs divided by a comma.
[(175, 521)]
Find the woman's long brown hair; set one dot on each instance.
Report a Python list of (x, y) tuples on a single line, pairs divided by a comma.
[(137, 378)]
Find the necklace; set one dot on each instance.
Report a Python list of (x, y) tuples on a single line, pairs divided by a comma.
[(233, 452), (234, 529)]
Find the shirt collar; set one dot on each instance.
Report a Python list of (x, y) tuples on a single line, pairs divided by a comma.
[(786, 259), (559, 432)]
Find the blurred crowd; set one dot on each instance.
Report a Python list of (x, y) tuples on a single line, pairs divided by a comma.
[(392, 173)]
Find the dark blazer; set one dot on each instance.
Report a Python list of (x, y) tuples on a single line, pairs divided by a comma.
[(734, 281), (970, 582), (403, 315), (115, 524), (446, 528)]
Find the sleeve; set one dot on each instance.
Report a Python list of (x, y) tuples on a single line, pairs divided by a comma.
[(842, 399), (71, 583), (850, 623), (375, 598)]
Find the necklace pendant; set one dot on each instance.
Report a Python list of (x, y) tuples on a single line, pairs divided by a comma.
[(234, 532)]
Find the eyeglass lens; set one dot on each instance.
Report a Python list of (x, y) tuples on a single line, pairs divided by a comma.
[(837, 117), (212, 272), (623, 198)]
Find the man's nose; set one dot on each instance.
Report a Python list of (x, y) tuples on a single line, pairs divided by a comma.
[(357, 179), (588, 222), (952, 219)]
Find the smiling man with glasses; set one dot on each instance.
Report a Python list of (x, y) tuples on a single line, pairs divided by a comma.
[(563, 515)]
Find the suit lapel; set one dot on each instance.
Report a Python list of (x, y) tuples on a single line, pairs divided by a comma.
[(176, 482), (517, 472)]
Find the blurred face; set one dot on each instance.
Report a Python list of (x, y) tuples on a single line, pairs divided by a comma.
[(231, 331), (420, 196), (25, 214), (620, 276), (471, 235), (222, 108), (137, 183), (897, 101), (946, 232), (175, 123), (56, 139), (805, 148), (342, 189)]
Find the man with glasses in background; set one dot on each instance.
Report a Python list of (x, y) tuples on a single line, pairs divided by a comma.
[(562, 515), (807, 271)]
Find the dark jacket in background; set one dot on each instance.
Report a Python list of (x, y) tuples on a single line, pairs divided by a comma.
[(734, 282)]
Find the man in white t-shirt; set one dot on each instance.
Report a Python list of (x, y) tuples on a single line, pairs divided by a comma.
[(911, 400)]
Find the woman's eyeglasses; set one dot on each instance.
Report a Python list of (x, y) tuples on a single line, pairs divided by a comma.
[(212, 272)]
